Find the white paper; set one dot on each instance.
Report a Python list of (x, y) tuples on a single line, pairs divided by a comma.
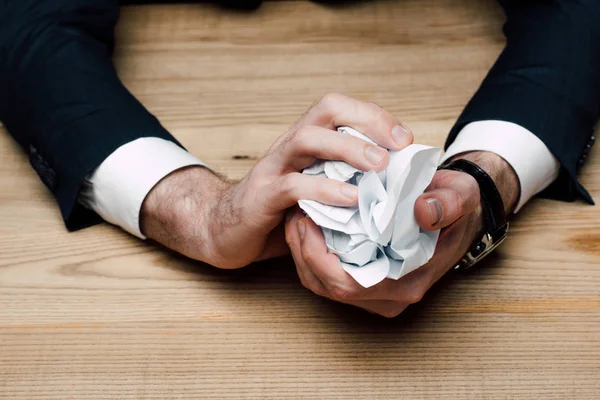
[(380, 238)]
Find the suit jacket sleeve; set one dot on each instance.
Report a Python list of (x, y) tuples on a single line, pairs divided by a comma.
[(547, 80), (60, 96)]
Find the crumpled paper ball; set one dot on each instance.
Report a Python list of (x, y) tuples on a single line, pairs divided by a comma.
[(379, 238)]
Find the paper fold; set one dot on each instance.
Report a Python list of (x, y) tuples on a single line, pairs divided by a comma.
[(379, 238)]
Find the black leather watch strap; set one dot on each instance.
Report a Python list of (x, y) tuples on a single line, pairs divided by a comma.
[(492, 205), (495, 220)]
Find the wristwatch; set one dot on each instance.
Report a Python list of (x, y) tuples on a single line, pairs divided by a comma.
[(495, 220)]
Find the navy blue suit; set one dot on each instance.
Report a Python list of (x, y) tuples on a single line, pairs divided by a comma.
[(61, 99)]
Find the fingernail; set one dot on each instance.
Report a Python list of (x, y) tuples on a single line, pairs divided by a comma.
[(435, 210), (349, 191), (375, 154), (402, 136), (301, 229)]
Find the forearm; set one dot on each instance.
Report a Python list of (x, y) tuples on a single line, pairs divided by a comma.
[(178, 211)]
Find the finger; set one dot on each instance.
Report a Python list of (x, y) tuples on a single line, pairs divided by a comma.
[(286, 191), (342, 287), (450, 196), (326, 266), (309, 142), (307, 278), (410, 288), (385, 308), (334, 110)]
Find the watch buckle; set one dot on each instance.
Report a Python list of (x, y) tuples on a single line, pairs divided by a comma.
[(485, 246)]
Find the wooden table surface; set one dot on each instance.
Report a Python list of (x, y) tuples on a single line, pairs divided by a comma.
[(98, 314)]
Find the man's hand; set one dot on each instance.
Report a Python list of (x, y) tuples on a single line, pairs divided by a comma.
[(451, 203), (230, 225)]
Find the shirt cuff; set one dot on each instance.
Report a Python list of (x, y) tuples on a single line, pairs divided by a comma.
[(533, 163), (118, 187)]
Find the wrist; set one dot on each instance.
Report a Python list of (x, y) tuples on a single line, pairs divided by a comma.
[(502, 174), (177, 211)]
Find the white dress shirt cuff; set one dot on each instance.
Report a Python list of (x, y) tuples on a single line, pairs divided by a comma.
[(533, 163), (118, 187)]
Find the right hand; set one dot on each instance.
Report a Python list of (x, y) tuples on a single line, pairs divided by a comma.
[(230, 225)]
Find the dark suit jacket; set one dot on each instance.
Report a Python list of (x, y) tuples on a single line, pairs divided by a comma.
[(61, 99)]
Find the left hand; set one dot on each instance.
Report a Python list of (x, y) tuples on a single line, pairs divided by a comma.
[(451, 203)]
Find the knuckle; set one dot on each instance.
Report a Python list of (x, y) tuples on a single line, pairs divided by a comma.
[(316, 289), (301, 135), (383, 118), (301, 140), (305, 283), (390, 312), (341, 293), (310, 258), (445, 178), (288, 184), (291, 138), (224, 263), (329, 100), (380, 115), (416, 294)]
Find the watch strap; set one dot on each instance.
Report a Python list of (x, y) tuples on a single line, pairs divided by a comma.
[(495, 219)]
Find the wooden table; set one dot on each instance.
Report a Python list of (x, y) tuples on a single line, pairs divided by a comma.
[(98, 314)]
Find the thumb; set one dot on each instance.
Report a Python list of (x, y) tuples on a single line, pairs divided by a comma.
[(450, 196)]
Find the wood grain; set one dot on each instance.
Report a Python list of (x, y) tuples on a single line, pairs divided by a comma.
[(97, 314)]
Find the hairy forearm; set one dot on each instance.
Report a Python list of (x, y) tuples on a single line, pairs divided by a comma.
[(179, 208), (501, 172)]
